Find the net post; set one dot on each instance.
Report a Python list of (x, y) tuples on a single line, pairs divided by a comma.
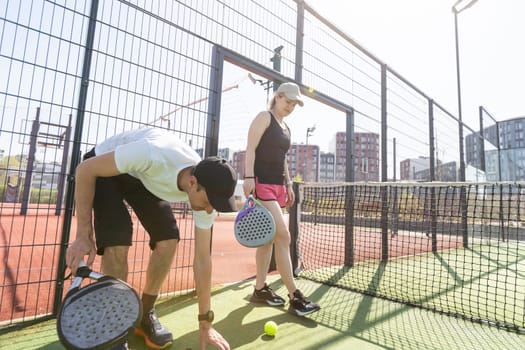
[(394, 229), (464, 212), (349, 224), (293, 226), (433, 218), (383, 191)]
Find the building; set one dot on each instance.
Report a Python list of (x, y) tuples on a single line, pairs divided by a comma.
[(366, 156), (309, 164), (338, 147), (303, 162), (238, 162), (46, 176), (504, 148), (409, 168), (445, 172), (327, 167), (225, 153)]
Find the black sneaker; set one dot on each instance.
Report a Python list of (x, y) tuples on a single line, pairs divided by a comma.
[(266, 295), (121, 346), (301, 306), (154, 334)]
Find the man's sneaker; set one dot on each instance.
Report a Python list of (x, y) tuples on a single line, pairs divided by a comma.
[(301, 306), (121, 346), (154, 334), (266, 295)]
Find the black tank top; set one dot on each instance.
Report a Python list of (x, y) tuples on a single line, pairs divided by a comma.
[(270, 153)]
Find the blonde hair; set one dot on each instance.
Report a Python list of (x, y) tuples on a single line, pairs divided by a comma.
[(271, 103)]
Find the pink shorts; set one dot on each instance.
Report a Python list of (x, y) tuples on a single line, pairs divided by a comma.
[(271, 192)]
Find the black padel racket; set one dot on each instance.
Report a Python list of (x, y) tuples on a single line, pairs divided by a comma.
[(99, 315), (254, 224)]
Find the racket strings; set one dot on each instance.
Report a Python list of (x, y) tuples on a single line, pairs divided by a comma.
[(100, 316), (255, 226)]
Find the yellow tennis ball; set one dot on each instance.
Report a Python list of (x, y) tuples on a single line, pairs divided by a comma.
[(270, 328)]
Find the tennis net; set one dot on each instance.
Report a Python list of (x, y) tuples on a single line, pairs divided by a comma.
[(454, 248)]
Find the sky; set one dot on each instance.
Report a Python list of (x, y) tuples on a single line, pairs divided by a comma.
[(416, 39)]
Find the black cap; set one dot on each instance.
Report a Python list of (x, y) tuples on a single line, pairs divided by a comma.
[(219, 180)]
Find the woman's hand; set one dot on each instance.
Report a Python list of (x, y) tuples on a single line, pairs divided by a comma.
[(248, 187), (290, 195)]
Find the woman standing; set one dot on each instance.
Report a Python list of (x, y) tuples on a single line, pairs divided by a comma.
[(268, 178)]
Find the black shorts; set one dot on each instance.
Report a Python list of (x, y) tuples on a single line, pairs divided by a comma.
[(112, 220)]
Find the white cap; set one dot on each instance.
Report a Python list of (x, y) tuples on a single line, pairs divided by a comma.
[(292, 92)]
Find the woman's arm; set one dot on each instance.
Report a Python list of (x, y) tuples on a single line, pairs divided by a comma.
[(257, 128)]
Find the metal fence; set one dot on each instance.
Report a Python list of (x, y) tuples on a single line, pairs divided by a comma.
[(74, 72)]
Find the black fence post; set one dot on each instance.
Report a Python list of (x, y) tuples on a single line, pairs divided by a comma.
[(75, 156)]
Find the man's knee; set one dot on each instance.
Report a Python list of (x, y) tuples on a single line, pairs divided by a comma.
[(168, 246), (115, 261), (116, 254)]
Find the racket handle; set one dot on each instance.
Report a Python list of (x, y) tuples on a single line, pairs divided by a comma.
[(82, 270)]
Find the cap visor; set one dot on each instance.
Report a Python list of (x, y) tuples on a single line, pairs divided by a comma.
[(222, 204), (294, 97)]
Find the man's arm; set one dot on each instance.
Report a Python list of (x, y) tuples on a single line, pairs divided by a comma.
[(85, 179), (202, 268), (202, 272), (257, 128)]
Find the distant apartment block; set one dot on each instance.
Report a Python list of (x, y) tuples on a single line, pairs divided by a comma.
[(225, 153), (366, 156), (303, 161), (46, 176), (238, 162), (327, 167), (311, 165), (409, 168), (506, 163), (446, 172)]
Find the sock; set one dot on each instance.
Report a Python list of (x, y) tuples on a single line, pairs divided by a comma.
[(148, 303)]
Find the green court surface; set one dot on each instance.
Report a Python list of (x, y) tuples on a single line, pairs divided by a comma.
[(347, 320), (482, 282)]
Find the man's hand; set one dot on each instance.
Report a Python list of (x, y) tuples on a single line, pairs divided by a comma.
[(209, 336), (77, 250)]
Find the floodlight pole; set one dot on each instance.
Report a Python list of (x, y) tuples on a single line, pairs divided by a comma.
[(456, 9), (309, 132)]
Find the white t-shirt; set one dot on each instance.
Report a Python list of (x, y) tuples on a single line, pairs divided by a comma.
[(155, 157)]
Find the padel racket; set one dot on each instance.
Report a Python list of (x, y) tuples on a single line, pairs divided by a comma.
[(254, 224), (99, 315)]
